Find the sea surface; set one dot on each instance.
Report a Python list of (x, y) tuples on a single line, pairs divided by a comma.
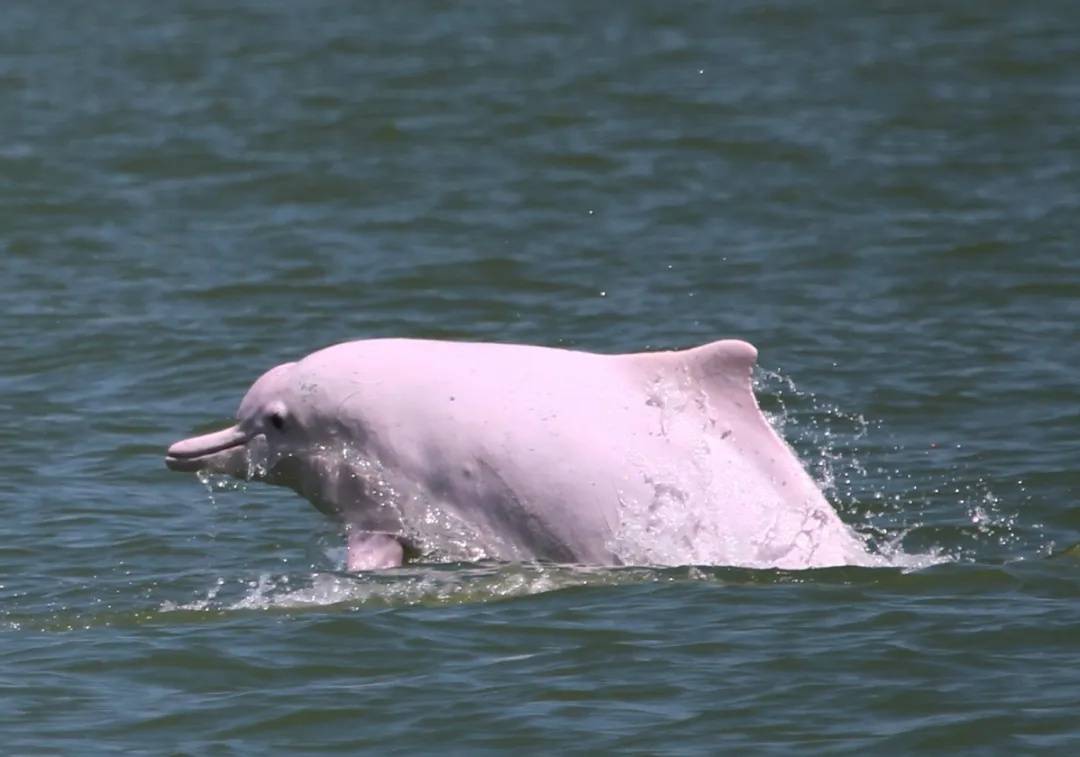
[(884, 197)]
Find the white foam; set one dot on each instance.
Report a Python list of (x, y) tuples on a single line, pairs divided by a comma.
[(420, 585)]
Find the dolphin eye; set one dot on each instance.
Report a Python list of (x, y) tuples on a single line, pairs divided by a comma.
[(277, 420)]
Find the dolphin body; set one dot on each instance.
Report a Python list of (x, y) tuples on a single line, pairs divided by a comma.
[(532, 453)]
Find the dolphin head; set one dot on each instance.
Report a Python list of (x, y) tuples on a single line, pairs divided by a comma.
[(302, 425), (272, 428), (291, 430)]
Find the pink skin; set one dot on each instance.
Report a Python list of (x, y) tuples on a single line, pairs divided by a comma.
[(544, 453), (368, 551)]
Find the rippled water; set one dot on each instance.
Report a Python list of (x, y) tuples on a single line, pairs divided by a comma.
[(882, 197)]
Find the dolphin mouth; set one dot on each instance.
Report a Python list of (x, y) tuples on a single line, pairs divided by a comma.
[(205, 452)]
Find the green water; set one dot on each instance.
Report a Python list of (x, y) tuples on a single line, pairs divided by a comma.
[(883, 197)]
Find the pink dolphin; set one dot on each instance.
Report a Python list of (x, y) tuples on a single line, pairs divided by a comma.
[(519, 453)]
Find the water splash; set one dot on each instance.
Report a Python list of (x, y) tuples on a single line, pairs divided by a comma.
[(429, 584), (429, 526), (462, 583), (907, 515)]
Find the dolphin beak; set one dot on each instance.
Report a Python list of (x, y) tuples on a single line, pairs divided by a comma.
[(218, 452)]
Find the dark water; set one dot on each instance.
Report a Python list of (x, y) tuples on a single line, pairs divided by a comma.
[(882, 196)]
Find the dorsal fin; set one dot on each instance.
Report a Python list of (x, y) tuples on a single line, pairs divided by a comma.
[(725, 365), (723, 370), (729, 359)]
